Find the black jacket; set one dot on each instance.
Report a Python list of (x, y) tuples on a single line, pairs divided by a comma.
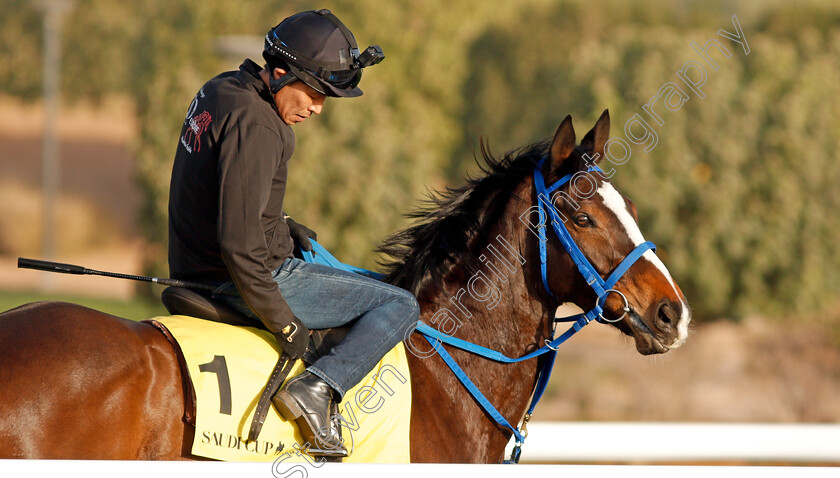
[(226, 195)]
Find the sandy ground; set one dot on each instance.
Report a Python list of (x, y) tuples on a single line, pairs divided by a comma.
[(95, 158), (760, 370), (98, 203)]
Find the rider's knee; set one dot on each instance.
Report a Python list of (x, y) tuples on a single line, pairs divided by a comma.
[(410, 312), (413, 306), (412, 317)]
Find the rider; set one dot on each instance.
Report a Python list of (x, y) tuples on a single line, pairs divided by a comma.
[(227, 224)]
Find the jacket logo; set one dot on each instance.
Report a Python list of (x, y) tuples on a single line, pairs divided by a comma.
[(196, 126)]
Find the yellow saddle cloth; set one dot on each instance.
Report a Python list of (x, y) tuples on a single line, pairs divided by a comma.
[(229, 367)]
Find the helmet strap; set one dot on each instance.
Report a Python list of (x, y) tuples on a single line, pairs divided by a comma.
[(276, 85)]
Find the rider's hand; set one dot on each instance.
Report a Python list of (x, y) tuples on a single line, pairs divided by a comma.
[(301, 234), (293, 339)]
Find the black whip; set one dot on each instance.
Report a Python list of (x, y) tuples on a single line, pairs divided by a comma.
[(48, 266)]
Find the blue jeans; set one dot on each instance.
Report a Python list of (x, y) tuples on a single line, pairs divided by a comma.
[(324, 297)]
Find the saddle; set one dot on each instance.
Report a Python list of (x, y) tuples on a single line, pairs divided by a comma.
[(183, 301)]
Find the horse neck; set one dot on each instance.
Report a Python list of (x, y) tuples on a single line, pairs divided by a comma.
[(501, 306)]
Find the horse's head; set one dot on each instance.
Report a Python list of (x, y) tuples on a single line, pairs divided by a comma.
[(603, 224)]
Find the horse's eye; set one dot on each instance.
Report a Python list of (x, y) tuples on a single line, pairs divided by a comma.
[(583, 220)]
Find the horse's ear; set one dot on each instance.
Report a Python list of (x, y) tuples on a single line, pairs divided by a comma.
[(597, 137), (563, 143)]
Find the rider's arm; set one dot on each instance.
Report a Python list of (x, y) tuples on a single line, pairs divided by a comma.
[(249, 159)]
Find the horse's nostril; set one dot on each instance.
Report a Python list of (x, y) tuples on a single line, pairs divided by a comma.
[(663, 314)]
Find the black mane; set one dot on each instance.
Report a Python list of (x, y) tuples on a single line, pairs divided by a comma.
[(445, 226)]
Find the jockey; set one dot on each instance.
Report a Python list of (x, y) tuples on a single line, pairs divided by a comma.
[(227, 224)]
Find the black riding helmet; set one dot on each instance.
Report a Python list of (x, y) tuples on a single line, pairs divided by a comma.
[(317, 49)]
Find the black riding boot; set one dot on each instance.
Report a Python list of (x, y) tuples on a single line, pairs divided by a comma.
[(306, 399)]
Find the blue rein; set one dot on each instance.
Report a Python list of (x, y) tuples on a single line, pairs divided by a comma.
[(547, 353)]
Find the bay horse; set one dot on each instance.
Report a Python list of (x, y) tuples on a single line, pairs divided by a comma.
[(78, 383)]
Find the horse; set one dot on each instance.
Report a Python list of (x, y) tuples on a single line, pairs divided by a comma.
[(79, 383)]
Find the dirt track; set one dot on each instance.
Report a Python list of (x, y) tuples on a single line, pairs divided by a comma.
[(761, 370), (98, 200), (96, 163)]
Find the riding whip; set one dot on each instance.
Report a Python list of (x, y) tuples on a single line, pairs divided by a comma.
[(48, 266)]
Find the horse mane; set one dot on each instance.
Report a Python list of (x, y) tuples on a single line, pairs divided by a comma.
[(447, 223)]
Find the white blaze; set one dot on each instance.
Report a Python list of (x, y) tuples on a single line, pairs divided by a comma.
[(615, 202)]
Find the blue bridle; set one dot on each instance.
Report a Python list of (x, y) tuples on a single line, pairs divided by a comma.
[(601, 287)]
